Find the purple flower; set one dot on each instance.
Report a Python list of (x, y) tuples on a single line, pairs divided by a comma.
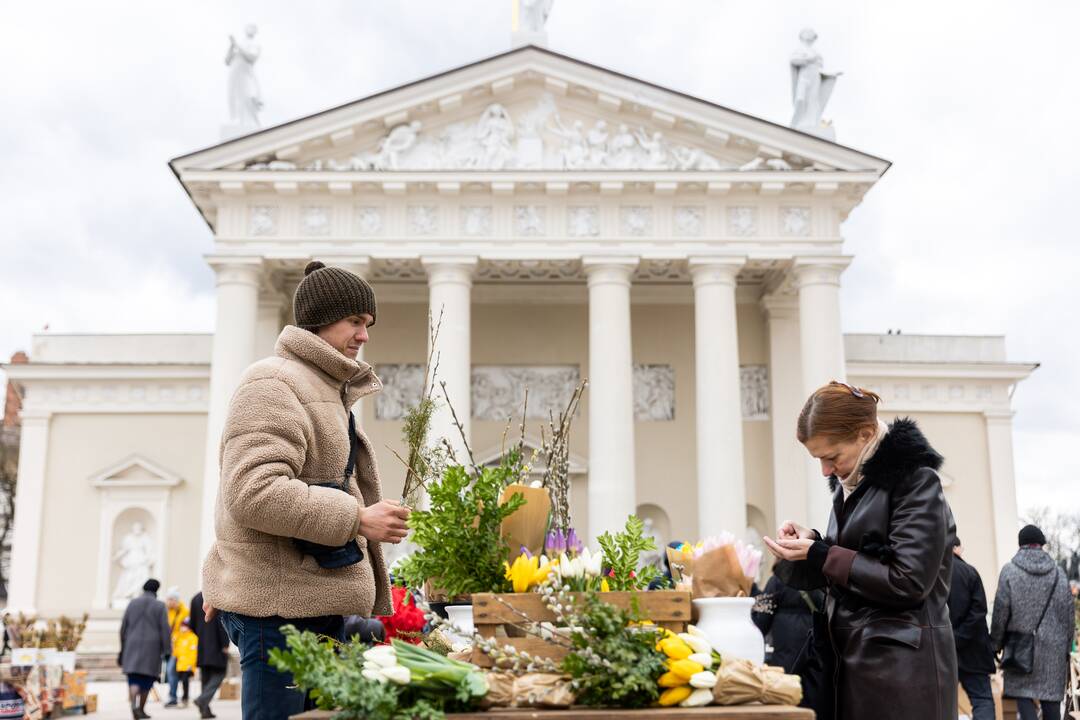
[(555, 542), (525, 552), (573, 544)]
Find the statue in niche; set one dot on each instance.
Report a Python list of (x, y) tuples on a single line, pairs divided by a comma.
[(655, 147), (810, 87), (657, 556), (136, 558), (574, 150), (534, 14), (245, 100), (620, 151), (495, 134), (597, 144)]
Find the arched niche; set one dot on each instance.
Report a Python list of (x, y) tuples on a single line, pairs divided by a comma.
[(757, 524), (657, 524)]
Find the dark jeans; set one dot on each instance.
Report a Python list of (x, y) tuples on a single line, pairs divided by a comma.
[(264, 691), (977, 687), (1051, 709), (211, 679)]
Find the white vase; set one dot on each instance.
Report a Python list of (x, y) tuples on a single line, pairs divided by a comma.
[(726, 623), (461, 617)]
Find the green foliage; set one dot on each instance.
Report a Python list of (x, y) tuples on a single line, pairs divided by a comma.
[(614, 662), (622, 552), (425, 463), (460, 546)]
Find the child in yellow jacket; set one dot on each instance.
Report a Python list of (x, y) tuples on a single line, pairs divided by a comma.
[(186, 650)]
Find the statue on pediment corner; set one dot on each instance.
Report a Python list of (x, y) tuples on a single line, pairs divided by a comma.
[(811, 88), (245, 98), (534, 14)]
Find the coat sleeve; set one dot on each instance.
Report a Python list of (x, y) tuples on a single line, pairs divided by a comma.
[(800, 574), (918, 528), (999, 623), (968, 628), (262, 455), (164, 631)]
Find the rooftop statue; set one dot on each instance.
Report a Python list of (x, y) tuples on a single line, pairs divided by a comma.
[(534, 14), (245, 100), (810, 88)]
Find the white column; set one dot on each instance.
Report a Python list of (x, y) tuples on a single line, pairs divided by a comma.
[(268, 323), (786, 397), (999, 443), (29, 510), (450, 293), (822, 355), (721, 476), (611, 484), (233, 351), (358, 265)]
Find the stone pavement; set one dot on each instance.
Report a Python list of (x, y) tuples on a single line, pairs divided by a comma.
[(113, 704)]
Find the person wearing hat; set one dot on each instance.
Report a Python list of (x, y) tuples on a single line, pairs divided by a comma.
[(1033, 597), (144, 643), (299, 517), (974, 654), (178, 612)]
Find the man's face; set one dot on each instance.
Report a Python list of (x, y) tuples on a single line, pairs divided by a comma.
[(347, 335)]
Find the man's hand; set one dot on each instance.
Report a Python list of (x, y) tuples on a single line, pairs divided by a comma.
[(384, 521), (209, 612), (789, 548), (794, 531)]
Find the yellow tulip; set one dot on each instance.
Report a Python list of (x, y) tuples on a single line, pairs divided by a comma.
[(686, 669), (670, 680), (674, 696), (675, 648), (604, 587)]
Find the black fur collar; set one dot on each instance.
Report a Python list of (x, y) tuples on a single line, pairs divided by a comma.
[(903, 450)]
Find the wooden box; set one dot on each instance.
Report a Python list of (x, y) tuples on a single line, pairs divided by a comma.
[(230, 690), (91, 704), (667, 608)]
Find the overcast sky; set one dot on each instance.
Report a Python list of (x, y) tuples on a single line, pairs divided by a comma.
[(974, 230)]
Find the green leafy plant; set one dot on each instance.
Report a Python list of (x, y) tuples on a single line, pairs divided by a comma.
[(461, 548), (622, 552), (614, 660)]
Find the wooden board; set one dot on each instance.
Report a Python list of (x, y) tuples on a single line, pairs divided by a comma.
[(713, 712), (660, 606)]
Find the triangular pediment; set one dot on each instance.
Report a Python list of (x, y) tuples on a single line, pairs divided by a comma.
[(529, 109), (135, 471)]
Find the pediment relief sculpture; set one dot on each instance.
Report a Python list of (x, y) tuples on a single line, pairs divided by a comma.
[(536, 137)]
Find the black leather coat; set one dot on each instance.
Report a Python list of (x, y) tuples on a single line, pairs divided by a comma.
[(887, 571)]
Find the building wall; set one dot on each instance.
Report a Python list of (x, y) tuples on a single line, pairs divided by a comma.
[(81, 445)]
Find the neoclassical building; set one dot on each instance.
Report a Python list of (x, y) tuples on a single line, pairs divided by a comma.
[(566, 222)]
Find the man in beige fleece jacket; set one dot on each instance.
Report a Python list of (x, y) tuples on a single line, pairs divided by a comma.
[(300, 517)]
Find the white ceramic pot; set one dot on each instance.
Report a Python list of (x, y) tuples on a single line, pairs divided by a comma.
[(726, 623), (461, 617)]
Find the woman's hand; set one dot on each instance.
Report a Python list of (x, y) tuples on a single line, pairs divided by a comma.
[(384, 521), (793, 530), (789, 548)]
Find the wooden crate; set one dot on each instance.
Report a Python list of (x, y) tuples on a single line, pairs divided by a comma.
[(667, 608)]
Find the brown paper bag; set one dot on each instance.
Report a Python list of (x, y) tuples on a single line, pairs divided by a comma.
[(500, 690), (681, 564), (718, 573), (528, 525), (543, 690), (740, 681)]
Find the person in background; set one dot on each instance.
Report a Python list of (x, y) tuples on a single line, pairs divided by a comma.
[(1033, 596), (789, 621), (185, 654), (178, 612), (213, 655), (144, 644), (974, 654)]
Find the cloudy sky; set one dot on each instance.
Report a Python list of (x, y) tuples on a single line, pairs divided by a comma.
[(974, 229)]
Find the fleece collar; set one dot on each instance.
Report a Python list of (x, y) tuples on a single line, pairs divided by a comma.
[(298, 344), (903, 450)]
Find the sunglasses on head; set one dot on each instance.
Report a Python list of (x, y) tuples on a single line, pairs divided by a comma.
[(854, 390)]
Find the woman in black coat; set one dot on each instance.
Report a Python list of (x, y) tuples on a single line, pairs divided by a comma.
[(885, 561)]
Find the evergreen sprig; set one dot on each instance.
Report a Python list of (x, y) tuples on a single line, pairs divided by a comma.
[(622, 552)]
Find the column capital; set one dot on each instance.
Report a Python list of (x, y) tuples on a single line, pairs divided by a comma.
[(609, 269), (779, 306), (819, 270), (358, 264), (724, 270), (449, 268), (34, 416), (998, 417), (236, 269)]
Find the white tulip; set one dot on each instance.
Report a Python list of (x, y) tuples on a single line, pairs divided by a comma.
[(697, 644), (702, 659), (374, 676), (399, 674), (383, 655), (693, 630), (592, 562), (698, 698), (704, 679)]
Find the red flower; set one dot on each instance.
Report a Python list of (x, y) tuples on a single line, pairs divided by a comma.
[(407, 621)]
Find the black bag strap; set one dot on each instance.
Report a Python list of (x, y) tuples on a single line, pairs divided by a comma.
[(1048, 599), (350, 467)]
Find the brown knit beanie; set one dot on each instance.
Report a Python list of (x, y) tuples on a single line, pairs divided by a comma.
[(328, 294)]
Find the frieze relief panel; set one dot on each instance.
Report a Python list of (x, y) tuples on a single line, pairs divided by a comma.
[(583, 221), (423, 219), (795, 221), (498, 391), (476, 221), (754, 391), (315, 220), (689, 221), (742, 221), (367, 221), (262, 220), (116, 396), (530, 220), (654, 393), (636, 220), (403, 385)]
